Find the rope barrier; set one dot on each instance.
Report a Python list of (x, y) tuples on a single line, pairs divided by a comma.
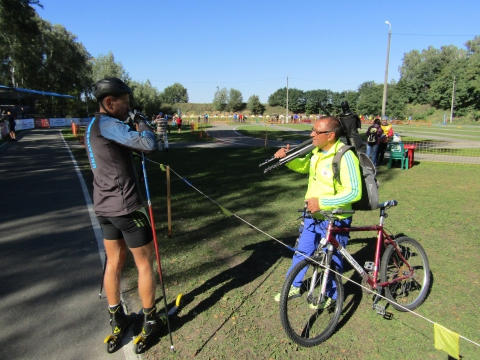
[(229, 214)]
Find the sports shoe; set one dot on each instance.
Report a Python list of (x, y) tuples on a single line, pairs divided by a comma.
[(323, 305), (293, 293), (119, 320)]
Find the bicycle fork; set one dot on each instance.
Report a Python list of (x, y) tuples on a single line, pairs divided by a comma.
[(326, 264)]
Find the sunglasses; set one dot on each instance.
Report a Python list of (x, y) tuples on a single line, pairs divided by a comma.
[(320, 132)]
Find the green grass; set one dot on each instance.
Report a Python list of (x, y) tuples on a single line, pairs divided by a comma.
[(185, 135), (229, 272), (273, 133)]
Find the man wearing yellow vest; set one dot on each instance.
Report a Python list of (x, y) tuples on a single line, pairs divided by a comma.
[(324, 193)]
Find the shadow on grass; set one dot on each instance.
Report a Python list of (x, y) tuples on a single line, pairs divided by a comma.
[(264, 255)]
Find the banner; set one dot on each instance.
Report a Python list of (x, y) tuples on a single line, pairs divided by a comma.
[(24, 124), (41, 123), (59, 122), (79, 121), (3, 129), (84, 121)]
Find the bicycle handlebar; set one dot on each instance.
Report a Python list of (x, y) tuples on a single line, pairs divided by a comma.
[(388, 204), (329, 213)]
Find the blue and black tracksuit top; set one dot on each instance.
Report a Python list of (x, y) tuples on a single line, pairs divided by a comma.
[(110, 144)]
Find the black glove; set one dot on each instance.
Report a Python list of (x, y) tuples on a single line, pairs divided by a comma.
[(139, 117)]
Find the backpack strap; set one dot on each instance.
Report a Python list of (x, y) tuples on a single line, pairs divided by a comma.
[(336, 161)]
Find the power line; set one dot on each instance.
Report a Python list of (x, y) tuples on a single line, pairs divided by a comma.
[(431, 35), (215, 82), (322, 81)]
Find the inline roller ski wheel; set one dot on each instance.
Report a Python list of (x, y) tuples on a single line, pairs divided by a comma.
[(140, 342), (113, 339)]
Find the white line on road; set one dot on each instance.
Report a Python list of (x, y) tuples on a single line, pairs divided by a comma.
[(127, 348)]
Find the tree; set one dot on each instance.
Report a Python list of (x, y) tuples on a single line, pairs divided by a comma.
[(145, 95), (220, 99), (105, 66), (65, 61), (235, 100), (278, 98), (351, 97), (175, 93), (296, 99), (19, 36), (255, 106), (370, 98), (313, 99), (396, 100)]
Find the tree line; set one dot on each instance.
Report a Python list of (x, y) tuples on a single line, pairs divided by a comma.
[(430, 76), (38, 55)]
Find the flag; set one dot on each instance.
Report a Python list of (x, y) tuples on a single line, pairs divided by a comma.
[(225, 211), (446, 340)]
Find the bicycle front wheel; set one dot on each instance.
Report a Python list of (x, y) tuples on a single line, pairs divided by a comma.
[(410, 292), (303, 323)]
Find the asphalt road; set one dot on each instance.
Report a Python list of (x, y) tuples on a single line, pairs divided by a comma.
[(50, 266)]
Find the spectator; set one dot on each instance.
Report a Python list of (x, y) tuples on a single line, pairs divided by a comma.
[(374, 132), (162, 127), (384, 139), (11, 126), (351, 123), (179, 124)]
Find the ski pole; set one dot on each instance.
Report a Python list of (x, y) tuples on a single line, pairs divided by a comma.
[(103, 276), (159, 266)]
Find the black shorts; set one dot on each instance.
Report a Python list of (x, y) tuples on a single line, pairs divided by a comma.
[(135, 228)]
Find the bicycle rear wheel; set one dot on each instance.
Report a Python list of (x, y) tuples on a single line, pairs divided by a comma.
[(305, 326), (410, 292)]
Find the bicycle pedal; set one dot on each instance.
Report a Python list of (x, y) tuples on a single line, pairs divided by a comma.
[(388, 315), (368, 265), (380, 309)]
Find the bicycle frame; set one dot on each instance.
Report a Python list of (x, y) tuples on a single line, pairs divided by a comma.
[(382, 237)]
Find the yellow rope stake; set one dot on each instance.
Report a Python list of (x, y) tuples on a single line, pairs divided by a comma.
[(169, 204)]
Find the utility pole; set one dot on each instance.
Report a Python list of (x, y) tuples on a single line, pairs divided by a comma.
[(453, 100), (286, 117), (384, 102)]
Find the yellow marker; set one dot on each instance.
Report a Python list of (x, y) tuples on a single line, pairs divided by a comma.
[(162, 167), (225, 211), (446, 340)]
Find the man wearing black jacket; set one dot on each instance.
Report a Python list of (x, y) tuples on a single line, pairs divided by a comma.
[(117, 199), (351, 122)]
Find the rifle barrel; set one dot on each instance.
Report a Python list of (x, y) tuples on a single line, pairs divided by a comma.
[(296, 148), (298, 153)]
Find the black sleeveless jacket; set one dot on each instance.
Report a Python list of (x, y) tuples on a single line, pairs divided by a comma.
[(110, 144)]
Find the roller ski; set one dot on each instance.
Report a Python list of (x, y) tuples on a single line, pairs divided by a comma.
[(152, 323), (120, 322)]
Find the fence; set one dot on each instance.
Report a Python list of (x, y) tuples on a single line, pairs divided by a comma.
[(467, 152)]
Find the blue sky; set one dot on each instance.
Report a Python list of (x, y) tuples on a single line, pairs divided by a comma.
[(253, 46)]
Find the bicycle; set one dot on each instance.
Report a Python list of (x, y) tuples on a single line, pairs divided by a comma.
[(403, 273)]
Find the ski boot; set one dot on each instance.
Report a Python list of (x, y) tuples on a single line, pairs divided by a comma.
[(152, 322), (119, 322), (149, 328)]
